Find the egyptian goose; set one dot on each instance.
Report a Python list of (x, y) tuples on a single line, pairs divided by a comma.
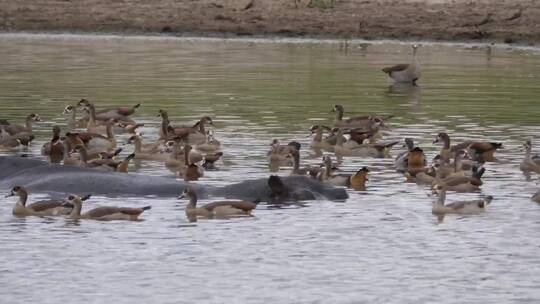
[(401, 161), (210, 160), (460, 207), (54, 149), (480, 151), (149, 151), (210, 145), (364, 150), (216, 209), (120, 114), (318, 142), (366, 123), (356, 181), (39, 208), (94, 142), (72, 122), (14, 129), (461, 183), (195, 134), (12, 141), (295, 154), (405, 72), (531, 163), (104, 213), (191, 171)]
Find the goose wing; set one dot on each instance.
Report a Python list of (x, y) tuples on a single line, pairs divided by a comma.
[(242, 205), (106, 210), (87, 136), (45, 205), (102, 211), (456, 180), (395, 68), (133, 211), (463, 204)]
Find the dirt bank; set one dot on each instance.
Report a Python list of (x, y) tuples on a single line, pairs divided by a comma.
[(512, 21)]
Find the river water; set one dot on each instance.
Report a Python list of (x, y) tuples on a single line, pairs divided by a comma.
[(381, 245)]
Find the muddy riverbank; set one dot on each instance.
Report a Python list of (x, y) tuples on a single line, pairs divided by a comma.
[(488, 20)]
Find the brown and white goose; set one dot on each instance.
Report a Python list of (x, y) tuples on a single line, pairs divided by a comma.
[(365, 123), (194, 135), (459, 207), (150, 151), (480, 151), (530, 163), (365, 150), (356, 181), (216, 209), (14, 129), (318, 141), (38, 208), (405, 72), (54, 149), (104, 213), (94, 142), (120, 113), (191, 171), (11, 141)]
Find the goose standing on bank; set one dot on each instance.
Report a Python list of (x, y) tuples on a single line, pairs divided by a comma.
[(405, 72)]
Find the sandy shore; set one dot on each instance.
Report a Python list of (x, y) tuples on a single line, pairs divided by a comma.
[(510, 21)]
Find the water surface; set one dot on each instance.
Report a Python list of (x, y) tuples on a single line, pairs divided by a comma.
[(381, 245)]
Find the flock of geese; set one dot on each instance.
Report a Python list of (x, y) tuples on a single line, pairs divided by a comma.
[(190, 150)]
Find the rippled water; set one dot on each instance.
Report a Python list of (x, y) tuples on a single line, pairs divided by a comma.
[(381, 245)]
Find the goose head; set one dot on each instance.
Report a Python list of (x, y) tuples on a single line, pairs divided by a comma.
[(338, 108), (442, 137), (15, 191), (83, 102), (438, 189), (409, 143), (34, 117), (362, 172), (74, 200), (315, 128), (187, 193), (207, 120), (134, 138), (527, 146), (163, 114), (68, 110)]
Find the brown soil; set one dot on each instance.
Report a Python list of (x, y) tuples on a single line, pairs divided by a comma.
[(490, 20)]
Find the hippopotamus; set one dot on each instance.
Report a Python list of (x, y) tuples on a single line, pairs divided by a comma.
[(58, 180)]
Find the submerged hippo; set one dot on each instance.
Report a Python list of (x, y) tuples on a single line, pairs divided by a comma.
[(39, 176)]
